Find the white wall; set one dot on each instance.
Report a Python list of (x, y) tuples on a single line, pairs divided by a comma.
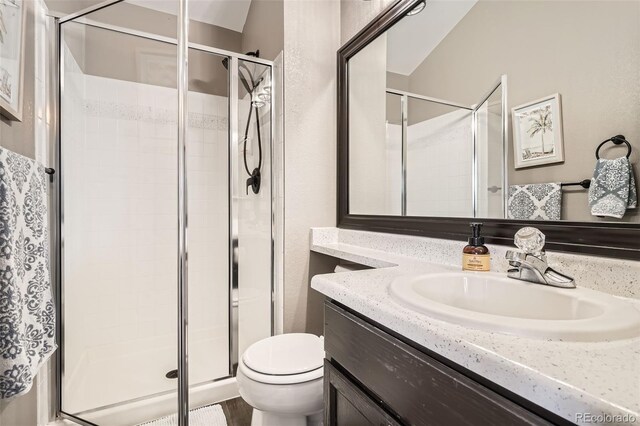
[(314, 30), (311, 35), (368, 179)]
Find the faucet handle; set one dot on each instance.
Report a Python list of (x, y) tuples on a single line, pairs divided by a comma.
[(530, 240)]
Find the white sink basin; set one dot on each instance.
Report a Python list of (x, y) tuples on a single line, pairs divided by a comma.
[(496, 303)]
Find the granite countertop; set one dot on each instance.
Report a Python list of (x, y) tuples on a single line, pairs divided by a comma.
[(566, 378)]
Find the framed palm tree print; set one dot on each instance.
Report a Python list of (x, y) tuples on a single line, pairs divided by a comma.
[(537, 132)]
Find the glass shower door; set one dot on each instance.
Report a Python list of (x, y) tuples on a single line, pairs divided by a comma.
[(119, 219), (395, 126), (253, 204), (490, 148), (209, 217), (118, 176)]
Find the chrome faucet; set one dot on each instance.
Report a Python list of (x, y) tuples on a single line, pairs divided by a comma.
[(530, 262)]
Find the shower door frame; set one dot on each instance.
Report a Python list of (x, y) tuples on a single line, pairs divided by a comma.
[(500, 83), (57, 219)]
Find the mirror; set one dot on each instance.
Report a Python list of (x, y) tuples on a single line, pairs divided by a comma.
[(495, 109)]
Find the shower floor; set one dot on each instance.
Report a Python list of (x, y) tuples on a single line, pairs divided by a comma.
[(122, 373)]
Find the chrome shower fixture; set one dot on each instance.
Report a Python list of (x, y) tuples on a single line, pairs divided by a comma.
[(419, 8)]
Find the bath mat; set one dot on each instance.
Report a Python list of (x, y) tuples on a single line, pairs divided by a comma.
[(211, 415)]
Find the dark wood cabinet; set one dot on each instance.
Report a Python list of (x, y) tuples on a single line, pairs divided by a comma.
[(348, 404), (375, 378)]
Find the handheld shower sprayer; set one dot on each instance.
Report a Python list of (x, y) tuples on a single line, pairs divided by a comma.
[(250, 84)]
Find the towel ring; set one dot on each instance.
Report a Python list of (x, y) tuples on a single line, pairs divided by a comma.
[(618, 140)]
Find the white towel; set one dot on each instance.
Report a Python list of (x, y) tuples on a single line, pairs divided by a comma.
[(27, 313), (613, 188)]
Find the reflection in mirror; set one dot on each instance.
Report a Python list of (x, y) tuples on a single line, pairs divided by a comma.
[(489, 172), (437, 131), (395, 202), (431, 133)]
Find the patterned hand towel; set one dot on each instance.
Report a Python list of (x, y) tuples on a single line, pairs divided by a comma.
[(27, 316), (613, 188), (535, 201)]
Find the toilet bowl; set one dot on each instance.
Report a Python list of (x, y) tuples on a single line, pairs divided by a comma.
[(281, 378)]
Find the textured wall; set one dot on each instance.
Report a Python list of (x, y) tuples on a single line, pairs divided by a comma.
[(311, 34), (367, 130), (264, 28)]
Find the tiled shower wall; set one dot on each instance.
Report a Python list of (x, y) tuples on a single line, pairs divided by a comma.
[(434, 187), (120, 228)]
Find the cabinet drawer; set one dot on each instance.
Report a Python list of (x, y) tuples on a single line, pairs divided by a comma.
[(346, 405), (419, 389)]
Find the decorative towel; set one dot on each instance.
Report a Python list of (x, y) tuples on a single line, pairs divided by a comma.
[(535, 201), (27, 314), (613, 188)]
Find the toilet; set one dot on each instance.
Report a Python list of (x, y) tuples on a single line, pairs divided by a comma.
[(281, 378)]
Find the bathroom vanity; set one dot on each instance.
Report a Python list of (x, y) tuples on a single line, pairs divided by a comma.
[(373, 376), (400, 361)]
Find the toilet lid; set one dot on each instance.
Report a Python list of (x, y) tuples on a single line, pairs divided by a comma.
[(285, 354)]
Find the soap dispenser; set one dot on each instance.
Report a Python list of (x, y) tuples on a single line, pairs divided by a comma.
[(475, 256)]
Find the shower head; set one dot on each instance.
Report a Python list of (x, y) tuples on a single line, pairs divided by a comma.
[(244, 69)]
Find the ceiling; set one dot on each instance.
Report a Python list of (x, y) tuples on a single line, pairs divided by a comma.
[(230, 14), (412, 39)]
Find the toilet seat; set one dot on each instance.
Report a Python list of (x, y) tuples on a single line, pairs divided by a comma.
[(284, 359), (289, 379)]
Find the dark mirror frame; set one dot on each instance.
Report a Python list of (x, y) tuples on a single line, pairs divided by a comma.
[(619, 240)]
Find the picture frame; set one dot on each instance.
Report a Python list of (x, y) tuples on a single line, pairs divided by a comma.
[(13, 18), (537, 132)]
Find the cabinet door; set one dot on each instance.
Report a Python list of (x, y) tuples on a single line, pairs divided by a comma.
[(347, 405), (418, 389)]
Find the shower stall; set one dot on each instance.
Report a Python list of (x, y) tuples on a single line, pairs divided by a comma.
[(445, 158), (166, 172)]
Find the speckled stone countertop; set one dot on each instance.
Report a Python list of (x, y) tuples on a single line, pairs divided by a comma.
[(566, 378)]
